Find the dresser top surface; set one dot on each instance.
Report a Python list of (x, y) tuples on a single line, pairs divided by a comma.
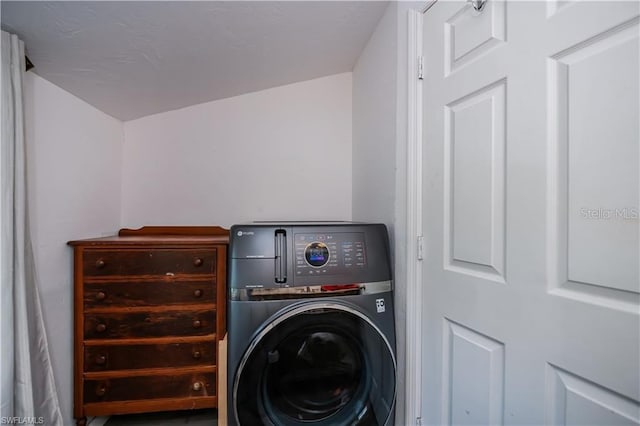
[(151, 240), (163, 235)]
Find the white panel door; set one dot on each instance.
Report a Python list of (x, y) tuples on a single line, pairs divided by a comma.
[(531, 189)]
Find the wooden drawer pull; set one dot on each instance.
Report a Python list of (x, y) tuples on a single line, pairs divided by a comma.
[(101, 295), (101, 328), (197, 355), (101, 390), (197, 324), (197, 386), (198, 261), (101, 359), (197, 293), (100, 263)]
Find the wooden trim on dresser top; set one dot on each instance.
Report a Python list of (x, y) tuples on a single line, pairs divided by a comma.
[(175, 230), (175, 235)]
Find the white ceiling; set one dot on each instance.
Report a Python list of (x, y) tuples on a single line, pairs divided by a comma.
[(131, 59)]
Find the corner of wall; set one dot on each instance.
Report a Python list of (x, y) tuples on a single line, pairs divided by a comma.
[(380, 104), (374, 122), (73, 166)]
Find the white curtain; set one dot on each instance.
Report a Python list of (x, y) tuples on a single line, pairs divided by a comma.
[(27, 388)]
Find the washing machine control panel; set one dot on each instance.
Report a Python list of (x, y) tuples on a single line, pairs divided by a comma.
[(329, 253)]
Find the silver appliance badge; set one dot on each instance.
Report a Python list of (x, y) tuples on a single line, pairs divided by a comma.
[(380, 306)]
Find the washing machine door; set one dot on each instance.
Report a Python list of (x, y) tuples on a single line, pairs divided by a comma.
[(320, 364)]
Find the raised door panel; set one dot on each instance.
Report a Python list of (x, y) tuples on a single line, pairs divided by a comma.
[(473, 377), (574, 400), (474, 167), (470, 35), (595, 165)]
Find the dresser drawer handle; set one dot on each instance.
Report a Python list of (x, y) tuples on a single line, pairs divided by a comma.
[(197, 386), (100, 263), (197, 293), (101, 328), (101, 390), (197, 324), (101, 359), (101, 295), (197, 355), (198, 261)]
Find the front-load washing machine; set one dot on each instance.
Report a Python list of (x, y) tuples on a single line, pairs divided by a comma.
[(311, 338)]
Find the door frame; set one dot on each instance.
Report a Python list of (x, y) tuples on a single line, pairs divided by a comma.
[(414, 216)]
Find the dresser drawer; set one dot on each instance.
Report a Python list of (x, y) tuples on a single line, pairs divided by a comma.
[(150, 324), (130, 357), (158, 261), (149, 293), (149, 387)]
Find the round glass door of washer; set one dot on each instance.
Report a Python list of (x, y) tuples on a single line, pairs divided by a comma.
[(316, 364)]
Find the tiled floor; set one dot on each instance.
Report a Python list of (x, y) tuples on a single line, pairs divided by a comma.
[(170, 418)]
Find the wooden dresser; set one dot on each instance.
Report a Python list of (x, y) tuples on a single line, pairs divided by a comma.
[(150, 306)]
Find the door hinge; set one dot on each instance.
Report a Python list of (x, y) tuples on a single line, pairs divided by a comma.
[(420, 67), (418, 421), (420, 247)]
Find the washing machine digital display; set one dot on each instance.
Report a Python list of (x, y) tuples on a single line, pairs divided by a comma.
[(317, 254), (329, 253)]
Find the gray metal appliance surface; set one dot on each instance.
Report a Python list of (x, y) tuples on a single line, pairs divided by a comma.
[(311, 335)]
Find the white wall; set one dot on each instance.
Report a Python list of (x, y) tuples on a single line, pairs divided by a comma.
[(374, 124), (278, 154), (73, 159), (374, 154)]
